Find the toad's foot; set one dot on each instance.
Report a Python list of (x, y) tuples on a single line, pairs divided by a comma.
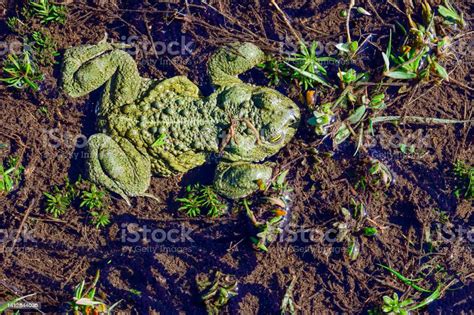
[(118, 166), (240, 179)]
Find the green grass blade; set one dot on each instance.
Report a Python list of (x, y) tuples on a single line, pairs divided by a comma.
[(433, 297), (405, 280), (402, 75), (309, 75), (7, 305)]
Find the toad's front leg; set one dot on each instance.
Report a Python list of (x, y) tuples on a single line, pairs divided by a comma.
[(240, 179), (228, 62)]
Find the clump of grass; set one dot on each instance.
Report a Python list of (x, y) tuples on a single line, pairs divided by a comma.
[(16, 25), (100, 219), (57, 202), (44, 48), (85, 300), (45, 11), (305, 66), (393, 305), (287, 304), (10, 174), (465, 178), (423, 50), (308, 67), (200, 198), (81, 193), (92, 198), (21, 72), (451, 15), (59, 199), (217, 292), (267, 231)]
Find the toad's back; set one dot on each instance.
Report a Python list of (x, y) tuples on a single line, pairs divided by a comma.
[(169, 122)]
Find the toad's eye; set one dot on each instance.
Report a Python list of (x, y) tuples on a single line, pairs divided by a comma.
[(275, 138)]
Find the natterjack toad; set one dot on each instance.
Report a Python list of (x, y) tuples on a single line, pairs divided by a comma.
[(167, 127)]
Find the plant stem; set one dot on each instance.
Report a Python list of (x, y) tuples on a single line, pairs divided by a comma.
[(418, 119), (285, 18), (348, 28)]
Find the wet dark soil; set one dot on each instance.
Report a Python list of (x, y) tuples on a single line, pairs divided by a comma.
[(55, 255)]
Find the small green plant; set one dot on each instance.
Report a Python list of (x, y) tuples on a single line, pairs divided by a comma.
[(393, 306), (287, 304), (217, 292), (21, 72), (16, 25), (276, 71), (60, 199), (191, 204), (352, 226), (85, 300), (280, 185), (266, 231), (201, 198), (44, 48), (45, 11), (465, 177), (92, 199), (423, 50), (57, 202), (10, 174), (81, 192), (370, 231), (308, 67), (100, 218), (450, 15), (322, 119), (380, 174), (212, 202)]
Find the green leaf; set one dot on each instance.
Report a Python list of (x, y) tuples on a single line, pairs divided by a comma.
[(441, 70), (361, 10), (309, 75), (342, 134), (357, 115), (386, 61), (159, 141), (400, 75), (434, 296), (312, 121), (405, 280), (5, 306)]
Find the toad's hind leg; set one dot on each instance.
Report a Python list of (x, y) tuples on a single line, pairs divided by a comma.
[(118, 166), (87, 68)]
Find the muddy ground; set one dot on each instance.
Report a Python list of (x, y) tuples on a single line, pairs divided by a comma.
[(58, 254)]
